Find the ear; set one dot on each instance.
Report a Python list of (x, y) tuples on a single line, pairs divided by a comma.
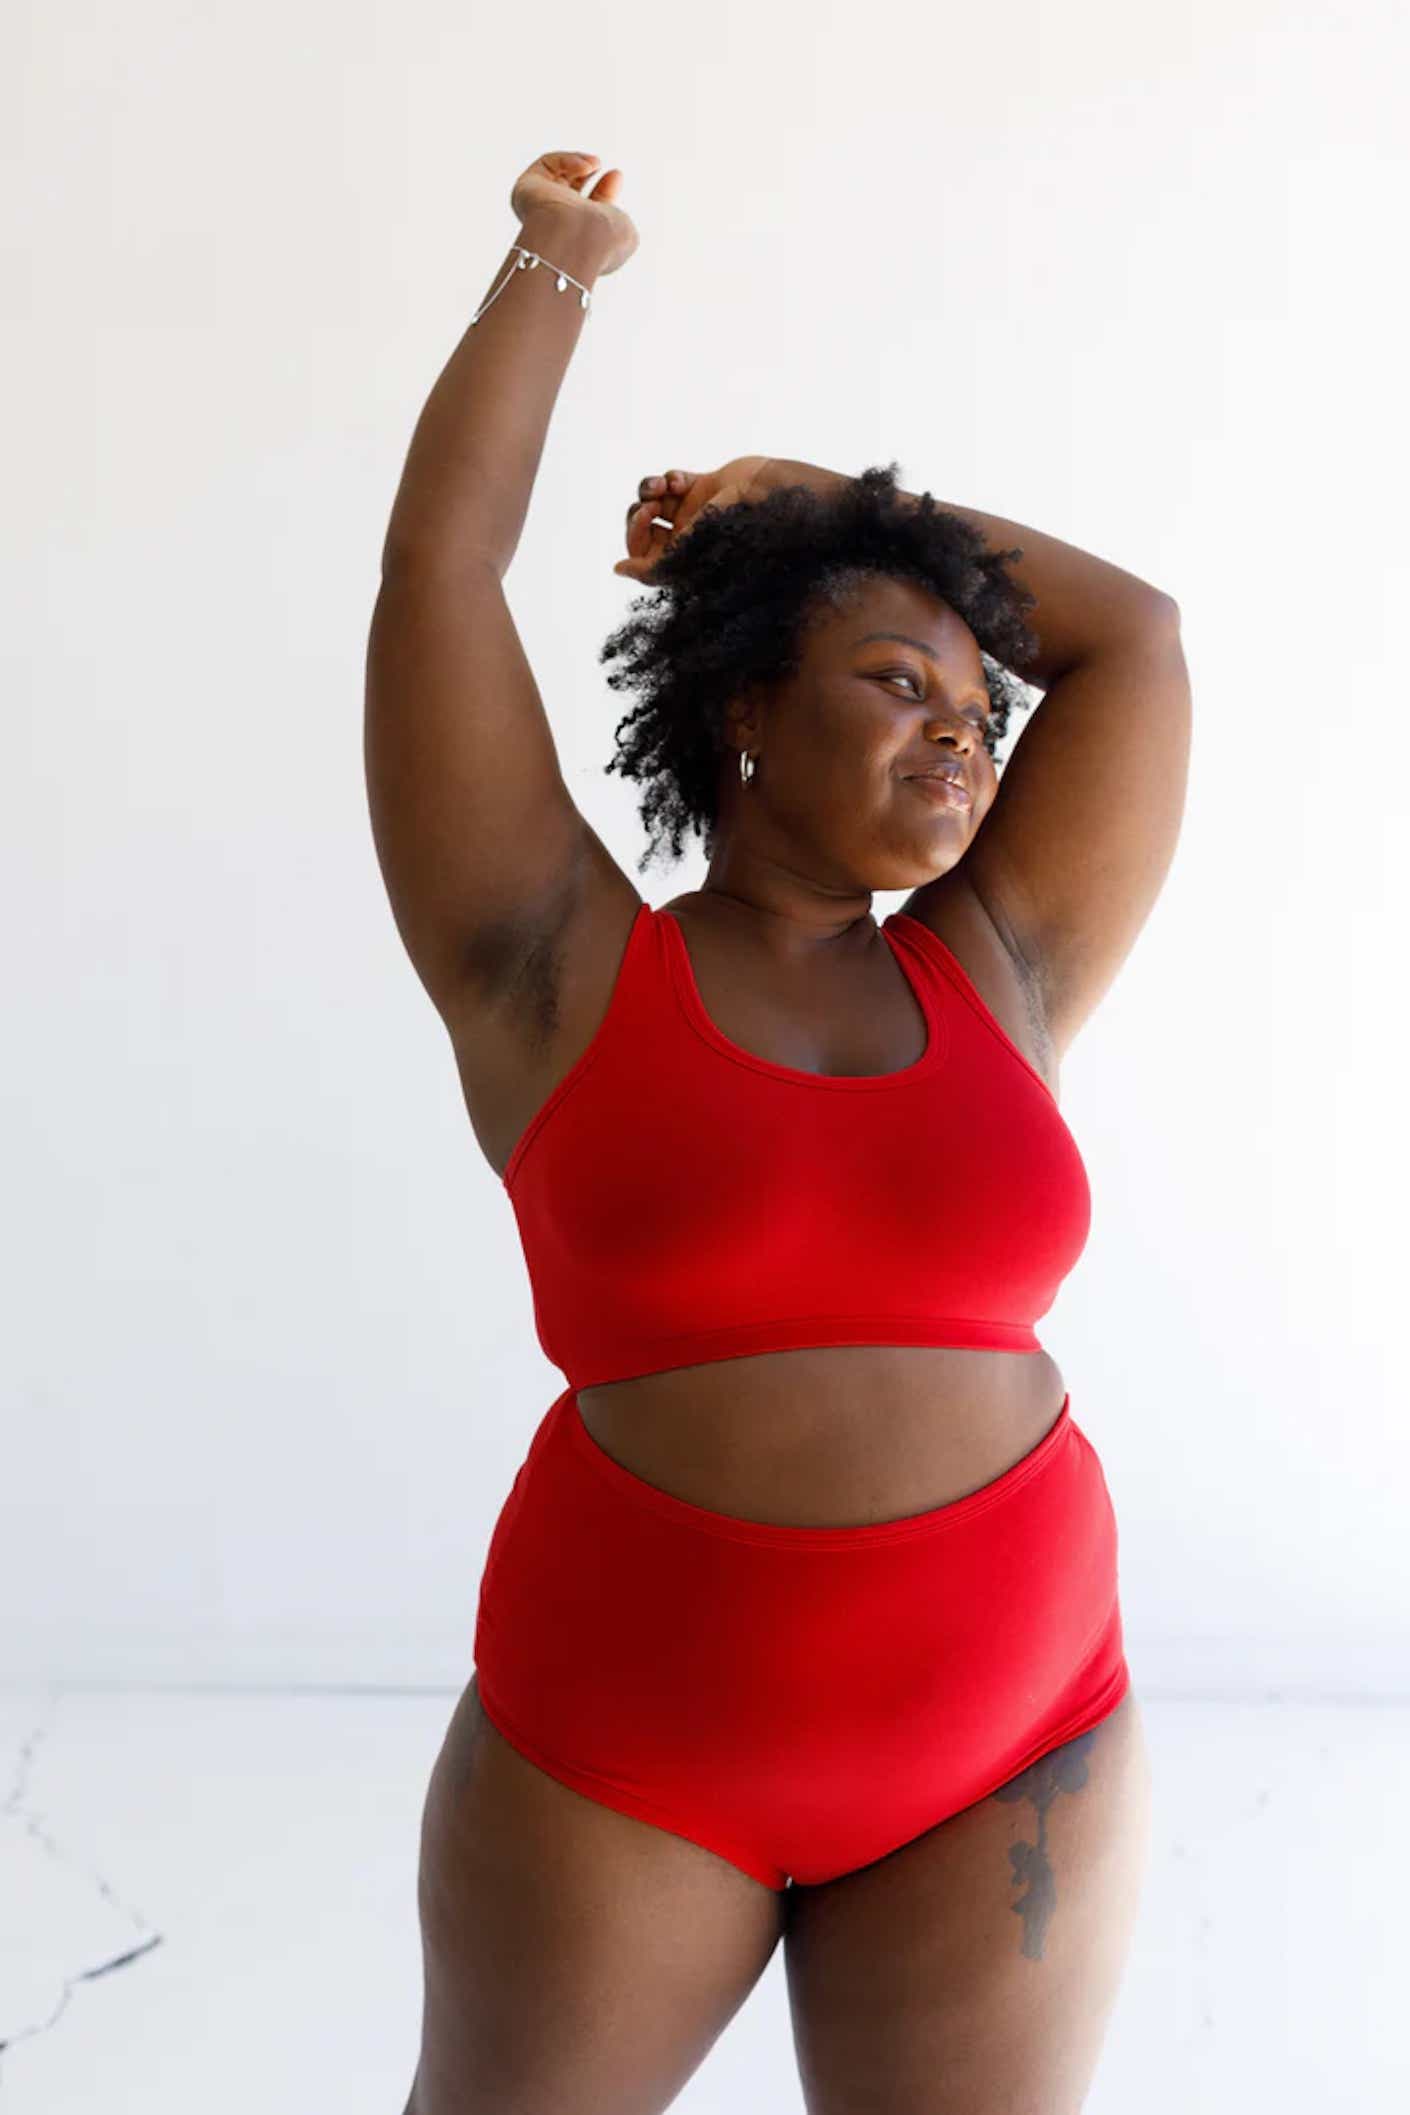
[(744, 717)]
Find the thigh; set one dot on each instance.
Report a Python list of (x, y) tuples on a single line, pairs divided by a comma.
[(575, 1958), (976, 1967)]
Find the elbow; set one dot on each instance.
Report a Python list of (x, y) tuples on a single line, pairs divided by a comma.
[(419, 556)]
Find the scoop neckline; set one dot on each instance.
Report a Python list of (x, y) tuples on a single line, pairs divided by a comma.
[(688, 991)]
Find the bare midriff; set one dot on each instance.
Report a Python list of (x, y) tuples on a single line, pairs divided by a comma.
[(836, 1436)]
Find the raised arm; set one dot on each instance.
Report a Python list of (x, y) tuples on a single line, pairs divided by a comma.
[(474, 828)]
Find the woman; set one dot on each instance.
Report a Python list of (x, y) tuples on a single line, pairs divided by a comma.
[(801, 1619)]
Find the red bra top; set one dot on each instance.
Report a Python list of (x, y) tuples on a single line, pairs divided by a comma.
[(680, 1200)]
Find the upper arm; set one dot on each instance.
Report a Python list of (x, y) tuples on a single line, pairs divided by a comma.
[(1076, 845), (474, 828)]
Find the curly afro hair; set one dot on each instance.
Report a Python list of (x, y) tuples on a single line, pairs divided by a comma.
[(730, 606)]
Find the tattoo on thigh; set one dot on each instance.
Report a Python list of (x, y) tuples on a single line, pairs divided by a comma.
[(1064, 1770)]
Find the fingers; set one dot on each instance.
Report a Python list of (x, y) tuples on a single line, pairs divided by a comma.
[(665, 491), (642, 510), (658, 496), (658, 503), (575, 169)]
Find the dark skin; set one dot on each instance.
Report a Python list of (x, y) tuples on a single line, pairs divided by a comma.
[(976, 1966), (791, 963), (835, 752), (828, 818)]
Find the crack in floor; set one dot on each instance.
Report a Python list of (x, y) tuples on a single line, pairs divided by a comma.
[(16, 1809)]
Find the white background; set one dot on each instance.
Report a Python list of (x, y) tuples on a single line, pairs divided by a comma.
[(1132, 277), (270, 1364)]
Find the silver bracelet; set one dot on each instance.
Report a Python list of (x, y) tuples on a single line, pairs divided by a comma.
[(528, 261)]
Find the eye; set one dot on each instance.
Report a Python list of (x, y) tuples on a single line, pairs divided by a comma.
[(981, 714)]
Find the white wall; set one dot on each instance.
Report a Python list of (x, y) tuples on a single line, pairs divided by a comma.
[(268, 1364)]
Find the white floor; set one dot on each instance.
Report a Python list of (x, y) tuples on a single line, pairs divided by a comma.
[(207, 1901)]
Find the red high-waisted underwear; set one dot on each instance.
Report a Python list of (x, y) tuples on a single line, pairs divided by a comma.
[(799, 1700)]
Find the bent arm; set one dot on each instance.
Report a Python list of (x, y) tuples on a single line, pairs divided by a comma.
[(1076, 846), (1084, 603)]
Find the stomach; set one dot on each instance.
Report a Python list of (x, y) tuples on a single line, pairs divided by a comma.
[(842, 1435)]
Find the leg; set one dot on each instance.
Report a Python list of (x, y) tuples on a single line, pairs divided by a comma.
[(577, 1961), (976, 1968)]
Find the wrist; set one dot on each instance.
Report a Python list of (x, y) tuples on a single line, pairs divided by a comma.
[(570, 239), (782, 470)]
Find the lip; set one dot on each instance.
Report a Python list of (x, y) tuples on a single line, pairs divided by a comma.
[(941, 788)]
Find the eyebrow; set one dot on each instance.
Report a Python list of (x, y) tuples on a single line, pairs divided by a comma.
[(905, 639)]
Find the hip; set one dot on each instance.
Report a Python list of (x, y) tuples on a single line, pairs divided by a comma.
[(590, 1564)]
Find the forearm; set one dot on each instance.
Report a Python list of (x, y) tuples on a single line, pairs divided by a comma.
[(475, 452), (1083, 602)]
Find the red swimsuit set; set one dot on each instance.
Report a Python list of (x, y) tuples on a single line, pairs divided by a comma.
[(799, 1700)]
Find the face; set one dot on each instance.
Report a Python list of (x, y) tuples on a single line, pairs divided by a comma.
[(836, 745)]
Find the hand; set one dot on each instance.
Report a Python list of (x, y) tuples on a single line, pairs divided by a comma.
[(555, 182), (677, 498)]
